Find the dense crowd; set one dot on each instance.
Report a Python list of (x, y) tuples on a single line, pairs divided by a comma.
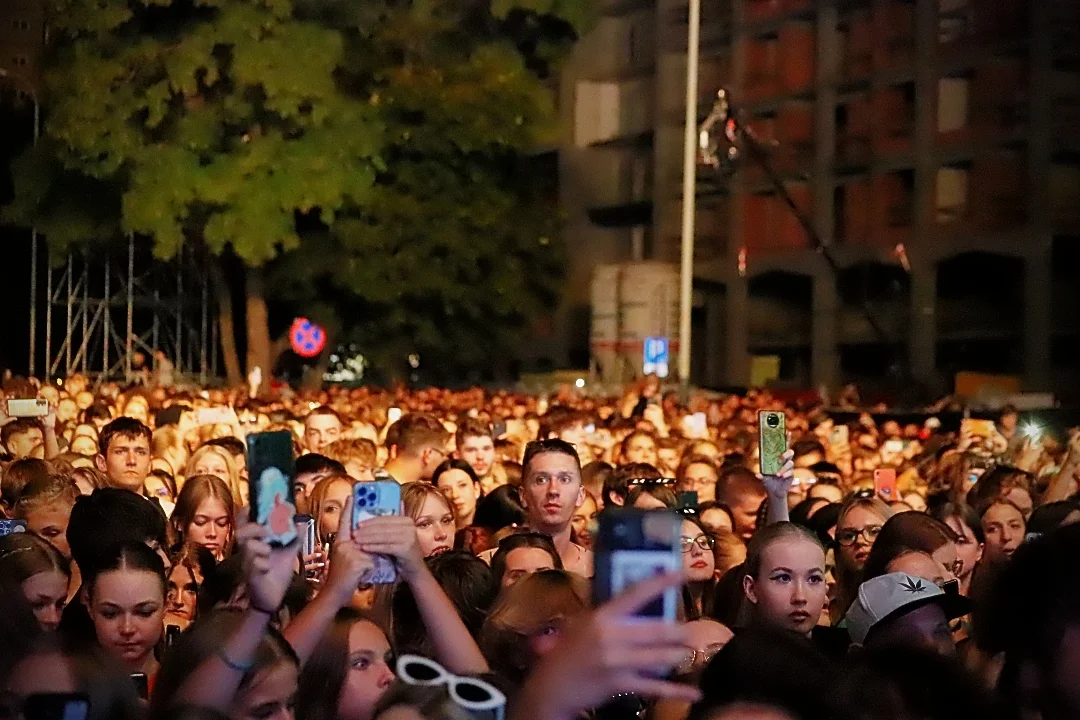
[(134, 585)]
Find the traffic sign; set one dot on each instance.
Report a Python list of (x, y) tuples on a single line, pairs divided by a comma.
[(657, 356), (307, 338)]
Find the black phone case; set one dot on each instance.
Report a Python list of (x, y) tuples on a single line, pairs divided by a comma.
[(271, 469)]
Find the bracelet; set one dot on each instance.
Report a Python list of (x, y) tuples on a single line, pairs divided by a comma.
[(232, 664)]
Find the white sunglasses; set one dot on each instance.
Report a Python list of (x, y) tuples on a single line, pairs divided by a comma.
[(470, 693)]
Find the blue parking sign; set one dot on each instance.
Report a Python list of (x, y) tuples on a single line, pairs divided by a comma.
[(656, 356)]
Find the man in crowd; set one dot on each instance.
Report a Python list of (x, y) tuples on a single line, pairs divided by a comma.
[(124, 453), (743, 492), (476, 446), (417, 444), (322, 426), (550, 492), (310, 469), (22, 435)]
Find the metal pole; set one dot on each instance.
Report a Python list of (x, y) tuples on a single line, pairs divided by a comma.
[(690, 144), (107, 328), (33, 297), (67, 328), (180, 310), (48, 320), (130, 304), (203, 334), (85, 351)]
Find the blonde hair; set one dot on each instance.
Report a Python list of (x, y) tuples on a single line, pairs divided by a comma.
[(346, 450), (414, 494), (233, 481), (318, 497)]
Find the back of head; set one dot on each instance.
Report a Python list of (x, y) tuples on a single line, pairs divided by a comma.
[(466, 579), (736, 483), (111, 517), (45, 490), (557, 420), (996, 483), (123, 427), (798, 681), (18, 475), (429, 702), (314, 463), (414, 432), (905, 532), (500, 508)]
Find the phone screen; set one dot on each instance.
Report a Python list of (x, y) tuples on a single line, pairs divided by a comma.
[(271, 472), (632, 545), (885, 484)]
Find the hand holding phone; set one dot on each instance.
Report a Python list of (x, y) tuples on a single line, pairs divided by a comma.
[(633, 545), (772, 441), (28, 407), (271, 472), (370, 500), (885, 484)]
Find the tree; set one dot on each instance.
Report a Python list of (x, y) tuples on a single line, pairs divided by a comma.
[(361, 155)]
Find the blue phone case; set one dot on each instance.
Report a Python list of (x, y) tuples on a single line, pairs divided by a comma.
[(8, 527), (374, 499)]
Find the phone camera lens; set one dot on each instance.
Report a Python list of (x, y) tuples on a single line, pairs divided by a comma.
[(772, 420)]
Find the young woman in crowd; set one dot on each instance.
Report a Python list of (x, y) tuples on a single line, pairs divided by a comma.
[(784, 581), (699, 565), (348, 670), (458, 481), (40, 572), (523, 554), (205, 515), (160, 486), (433, 515), (912, 531), (584, 521), (189, 568), (528, 618), (126, 594), (857, 527), (965, 522), (326, 502), (216, 461)]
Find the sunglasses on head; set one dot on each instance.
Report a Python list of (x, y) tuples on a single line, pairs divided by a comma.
[(650, 482), (469, 693)]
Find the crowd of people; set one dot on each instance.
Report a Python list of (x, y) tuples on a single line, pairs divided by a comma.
[(134, 585)]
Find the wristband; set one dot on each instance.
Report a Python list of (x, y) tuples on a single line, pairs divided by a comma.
[(232, 664)]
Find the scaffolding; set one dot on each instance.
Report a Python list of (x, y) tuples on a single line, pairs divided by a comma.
[(104, 307)]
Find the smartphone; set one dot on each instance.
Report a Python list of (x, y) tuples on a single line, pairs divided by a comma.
[(29, 407), (695, 425), (10, 527), (270, 473), (393, 415), (632, 545), (213, 416), (686, 503), (977, 428), (56, 706), (772, 440), (498, 430), (172, 634), (374, 499), (885, 484), (305, 528), (141, 685)]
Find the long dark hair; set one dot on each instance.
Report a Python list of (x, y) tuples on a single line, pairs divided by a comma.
[(23, 555), (129, 556), (323, 675)]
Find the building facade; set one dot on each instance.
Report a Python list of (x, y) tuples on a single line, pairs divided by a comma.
[(934, 145)]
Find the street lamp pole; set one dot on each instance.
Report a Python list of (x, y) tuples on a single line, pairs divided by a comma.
[(689, 191), (33, 230)]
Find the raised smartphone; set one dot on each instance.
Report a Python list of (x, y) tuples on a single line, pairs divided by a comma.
[(305, 528), (632, 545), (375, 499), (10, 527), (56, 706), (772, 440), (270, 472), (885, 484), (28, 407)]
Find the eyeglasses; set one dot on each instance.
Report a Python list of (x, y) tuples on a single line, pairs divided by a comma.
[(469, 693), (697, 658), (848, 536), (705, 542)]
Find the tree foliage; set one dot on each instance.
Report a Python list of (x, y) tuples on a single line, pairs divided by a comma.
[(371, 155)]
